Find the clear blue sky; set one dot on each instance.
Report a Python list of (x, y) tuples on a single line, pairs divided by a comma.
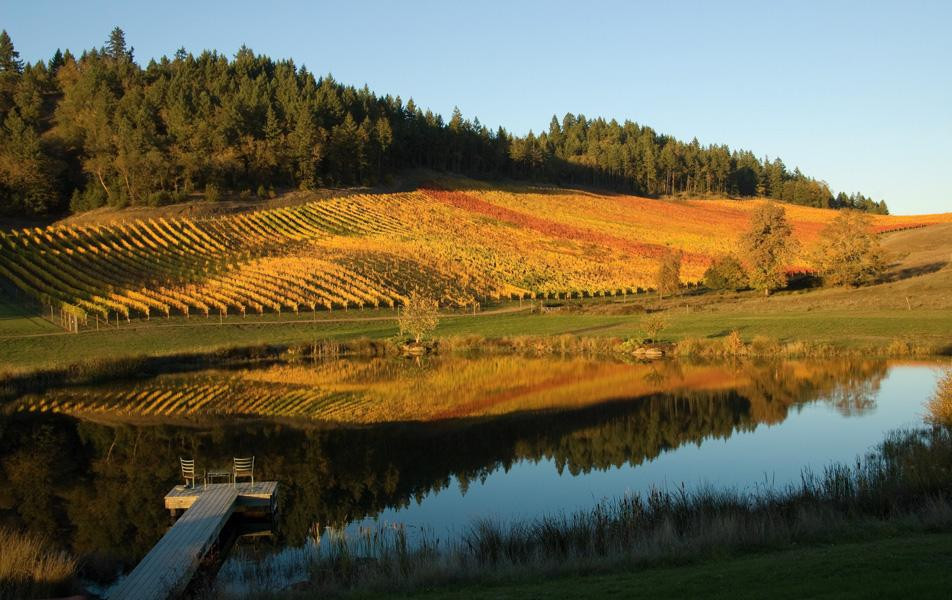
[(856, 93)]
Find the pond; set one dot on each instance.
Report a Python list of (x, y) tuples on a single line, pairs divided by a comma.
[(431, 444)]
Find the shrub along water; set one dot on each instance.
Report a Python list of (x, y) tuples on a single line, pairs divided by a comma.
[(939, 407), (904, 484), (30, 568), (733, 346)]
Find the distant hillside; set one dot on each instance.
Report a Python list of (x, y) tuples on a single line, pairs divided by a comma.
[(458, 240), (98, 130)]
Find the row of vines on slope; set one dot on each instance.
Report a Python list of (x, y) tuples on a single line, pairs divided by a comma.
[(183, 266), (358, 251)]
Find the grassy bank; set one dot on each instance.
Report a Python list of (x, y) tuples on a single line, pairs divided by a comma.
[(14, 382), (903, 486), (908, 566), (847, 330)]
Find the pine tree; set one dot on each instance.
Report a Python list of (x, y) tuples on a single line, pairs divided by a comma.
[(10, 69), (116, 46), (776, 174), (305, 148), (26, 174), (56, 62), (9, 58)]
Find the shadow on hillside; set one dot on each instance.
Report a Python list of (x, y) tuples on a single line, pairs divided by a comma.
[(915, 271)]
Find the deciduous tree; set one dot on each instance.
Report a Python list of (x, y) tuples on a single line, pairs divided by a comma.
[(419, 316), (668, 276), (849, 253), (770, 246), (726, 273)]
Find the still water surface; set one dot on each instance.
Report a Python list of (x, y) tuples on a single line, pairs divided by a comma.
[(813, 435), (432, 445)]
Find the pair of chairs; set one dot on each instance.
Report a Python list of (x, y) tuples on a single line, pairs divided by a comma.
[(241, 467)]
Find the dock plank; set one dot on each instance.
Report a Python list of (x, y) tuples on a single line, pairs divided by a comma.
[(180, 497), (169, 566)]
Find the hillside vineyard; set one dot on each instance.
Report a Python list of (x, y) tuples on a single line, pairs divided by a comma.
[(458, 243)]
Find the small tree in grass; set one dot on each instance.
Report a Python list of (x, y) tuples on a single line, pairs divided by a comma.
[(770, 246), (419, 317), (649, 329), (652, 325), (668, 277), (849, 252)]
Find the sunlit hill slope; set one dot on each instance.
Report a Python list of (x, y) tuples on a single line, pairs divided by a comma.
[(457, 240)]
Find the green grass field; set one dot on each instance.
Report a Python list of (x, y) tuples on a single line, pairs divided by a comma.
[(18, 319), (22, 347), (913, 566)]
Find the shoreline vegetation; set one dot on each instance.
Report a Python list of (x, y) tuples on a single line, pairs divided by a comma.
[(901, 487), (30, 567)]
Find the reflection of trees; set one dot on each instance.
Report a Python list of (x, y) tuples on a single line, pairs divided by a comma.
[(776, 385), (855, 392), (98, 487), (854, 401)]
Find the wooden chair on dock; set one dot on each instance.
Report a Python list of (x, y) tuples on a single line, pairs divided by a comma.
[(188, 472), (244, 467)]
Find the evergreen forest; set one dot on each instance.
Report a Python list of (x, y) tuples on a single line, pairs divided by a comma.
[(98, 129)]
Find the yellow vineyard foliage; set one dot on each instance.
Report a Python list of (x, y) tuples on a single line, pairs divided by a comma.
[(461, 245)]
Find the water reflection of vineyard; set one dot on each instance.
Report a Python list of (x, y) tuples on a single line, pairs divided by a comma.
[(385, 390), (95, 484)]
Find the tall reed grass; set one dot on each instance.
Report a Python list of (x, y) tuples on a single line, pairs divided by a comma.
[(30, 568), (904, 484)]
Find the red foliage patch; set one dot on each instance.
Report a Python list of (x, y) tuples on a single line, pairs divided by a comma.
[(553, 229)]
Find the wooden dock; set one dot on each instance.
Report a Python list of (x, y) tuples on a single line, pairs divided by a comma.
[(260, 495), (170, 565)]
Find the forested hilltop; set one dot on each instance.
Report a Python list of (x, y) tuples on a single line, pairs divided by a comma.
[(79, 133)]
